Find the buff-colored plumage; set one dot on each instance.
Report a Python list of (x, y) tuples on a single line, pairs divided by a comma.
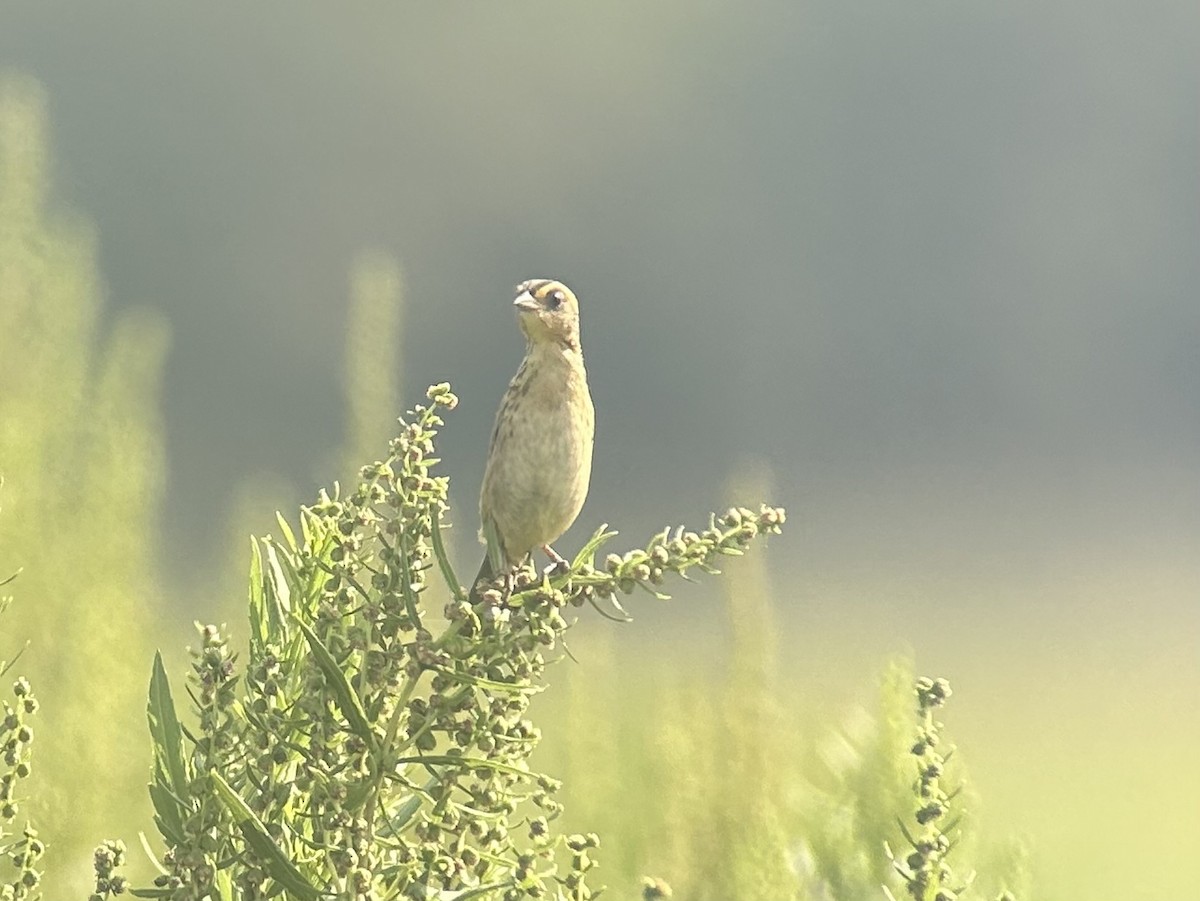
[(540, 459)]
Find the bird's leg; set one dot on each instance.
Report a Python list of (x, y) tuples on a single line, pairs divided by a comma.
[(511, 571), (559, 565)]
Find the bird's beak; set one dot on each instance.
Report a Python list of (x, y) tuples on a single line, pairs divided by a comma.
[(525, 303)]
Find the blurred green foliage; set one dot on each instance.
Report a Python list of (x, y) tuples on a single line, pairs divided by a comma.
[(82, 459), (704, 779), (20, 853), (370, 376), (699, 778)]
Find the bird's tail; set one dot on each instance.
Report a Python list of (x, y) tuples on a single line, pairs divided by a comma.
[(486, 573), (493, 559)]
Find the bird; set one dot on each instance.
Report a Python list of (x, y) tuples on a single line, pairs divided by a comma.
[(539, 461)]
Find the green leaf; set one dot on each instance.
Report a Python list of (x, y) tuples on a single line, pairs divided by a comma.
[(150, 855), (465, 894), (454, 760), (312, 528), (166, 810), (428, 893), (5, 666), (588, 552), (616, 619), (171, 777), (649, 589), (404, 813), (347, 699), (259, 626), (487, 683), (224, 884), (274, 860), (439, 551), (660, 538), (399, 818), (410, 598), (288, 534), (279, 598)]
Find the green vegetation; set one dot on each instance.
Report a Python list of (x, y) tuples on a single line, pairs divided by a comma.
[(377, 739), (744, 803), (82, 462), (371, 750), (21, 856)]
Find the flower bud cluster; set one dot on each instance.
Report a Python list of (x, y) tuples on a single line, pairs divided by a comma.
[(20, 858), (667, 552), (16, 744), (220, 738), (925, 870), (108, 858), (25, 856)]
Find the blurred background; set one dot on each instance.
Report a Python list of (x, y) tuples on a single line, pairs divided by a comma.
[(931, 271)]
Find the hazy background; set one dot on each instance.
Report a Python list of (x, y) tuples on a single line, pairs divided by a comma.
[(935, 265)]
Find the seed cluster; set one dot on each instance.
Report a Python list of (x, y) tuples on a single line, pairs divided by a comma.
[(378, 744), (21, 853)]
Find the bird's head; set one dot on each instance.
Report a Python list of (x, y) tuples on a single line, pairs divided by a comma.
[(548, 312)]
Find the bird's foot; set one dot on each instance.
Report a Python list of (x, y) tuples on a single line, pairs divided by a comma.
[(559, 566)]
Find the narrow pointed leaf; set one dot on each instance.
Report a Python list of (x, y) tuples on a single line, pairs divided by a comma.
[(478, 762), (347, 699), (169, 783), (167, 814), (224, 884), (439, 551), (410, 600), (278, 592), (661, 595), (466, 894), (288, 534), (150, 855), (308, 526), (165, 730), (274, 860), (480, 682), (259, 625), (588, 552), (5, 666), (616, 619), (403, 813)]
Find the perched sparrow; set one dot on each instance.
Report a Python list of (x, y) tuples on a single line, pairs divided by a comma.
[(540, 459)]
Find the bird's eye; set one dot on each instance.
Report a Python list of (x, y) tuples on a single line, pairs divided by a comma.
[(555, 300)]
